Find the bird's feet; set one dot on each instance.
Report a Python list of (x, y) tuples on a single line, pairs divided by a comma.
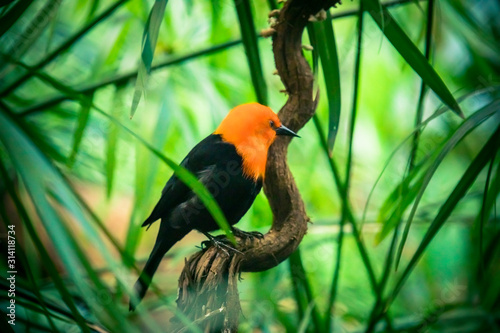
[(247, 234), (220, 242)]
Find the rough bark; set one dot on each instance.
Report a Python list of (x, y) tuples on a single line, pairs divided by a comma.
[(208, 293)]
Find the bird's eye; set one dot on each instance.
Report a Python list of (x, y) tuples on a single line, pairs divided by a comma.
[(271, 123)]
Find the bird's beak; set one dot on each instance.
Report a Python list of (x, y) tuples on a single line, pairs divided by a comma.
[(283, 130)]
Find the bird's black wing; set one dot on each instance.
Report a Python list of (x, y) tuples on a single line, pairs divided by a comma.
[(218, 166), (201, 158)]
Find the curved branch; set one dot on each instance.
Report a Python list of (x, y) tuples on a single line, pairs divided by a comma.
[(208, 281)]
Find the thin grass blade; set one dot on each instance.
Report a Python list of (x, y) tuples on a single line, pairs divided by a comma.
[(492, 194), (149, 39), (298, 274), (423, 88), (27, 38), (145, 179), (93, 8), (62, 48), (483, 215), (410, 53), (480, 161), (13, 15), (250, 43), (45, 185), (23, 260), (112, 140), (398, 201), (83, 119), (330, 63), (461, 132), (48, 263)]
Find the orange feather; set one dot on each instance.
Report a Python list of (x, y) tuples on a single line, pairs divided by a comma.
[(251, 129)]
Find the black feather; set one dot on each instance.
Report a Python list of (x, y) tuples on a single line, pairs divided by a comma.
[(219, 167)]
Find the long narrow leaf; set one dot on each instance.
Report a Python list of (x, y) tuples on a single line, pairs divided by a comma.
[(398, 201), (149, 39), (327, 51), (21, 254), (350, 217), (112, 140), (249, 37), (62, 48), (410, 53), (144, 179), (32, 32), (468, 125), (13, 14), (468, 178), (492, 194), (83, 119), (42, 183), (343, 220), (423, 88), (437, 113), (123, 78), (48, 264), (298, 274), (466, 181)]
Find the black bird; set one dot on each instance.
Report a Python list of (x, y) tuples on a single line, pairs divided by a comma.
[(231, 164)]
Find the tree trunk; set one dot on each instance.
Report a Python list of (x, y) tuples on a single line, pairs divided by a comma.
[(208, 294)]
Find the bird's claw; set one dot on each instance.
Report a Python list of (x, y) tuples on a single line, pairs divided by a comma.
[(247, 234), (220, 242)]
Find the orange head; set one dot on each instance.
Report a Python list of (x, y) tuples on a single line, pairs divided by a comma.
[(252, 128)]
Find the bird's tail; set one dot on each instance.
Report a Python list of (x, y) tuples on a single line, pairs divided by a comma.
[(162, 245)]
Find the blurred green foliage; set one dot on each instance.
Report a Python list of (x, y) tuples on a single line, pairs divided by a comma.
[(78, 177)]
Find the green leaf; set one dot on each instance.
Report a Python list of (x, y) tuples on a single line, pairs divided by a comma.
[(465, 128), (13, 15), (340, 238), (397, 201), (149, 39), (313, 39), (247, 27), (484, 213), (492, 194), (144, 179), (112, 140), (83, 119), (43, 182), (485, 92), (93, 8), (118, 48), (463, 14), (62, 48), (466, 181), (22, 41), (327, 51), (47, 186), (303, 292), (410, 53), (27, 38), (20, 252), (346, 208), (423, 88)]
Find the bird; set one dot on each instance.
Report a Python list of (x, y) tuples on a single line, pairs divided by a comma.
[(231, 164)]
